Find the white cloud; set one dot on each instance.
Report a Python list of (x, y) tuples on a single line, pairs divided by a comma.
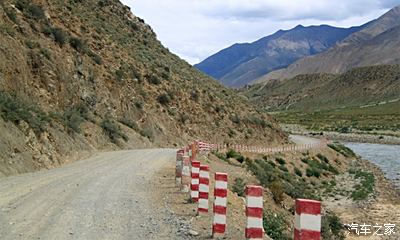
[(195, 29)]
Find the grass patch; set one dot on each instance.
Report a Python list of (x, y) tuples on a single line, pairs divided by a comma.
[(366, 186), (112, 130), (275, 226), (340, 148), (15, 110), (239, 186)]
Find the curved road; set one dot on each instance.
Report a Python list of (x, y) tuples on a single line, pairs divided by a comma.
[(108, 196)]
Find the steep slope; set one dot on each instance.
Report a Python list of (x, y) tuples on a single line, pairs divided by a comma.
[(241, 63), (376, 44), (312, 92), (79, 76)]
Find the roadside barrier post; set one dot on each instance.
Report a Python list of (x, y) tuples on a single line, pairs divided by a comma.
[(185, 174), (254, 213), (194, 184), (220, 204), (204, 188), (307, 221), (178, 167)]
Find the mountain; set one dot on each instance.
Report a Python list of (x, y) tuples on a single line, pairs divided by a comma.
[(81, 76), (240, 64), (378, 43), (358, 87)]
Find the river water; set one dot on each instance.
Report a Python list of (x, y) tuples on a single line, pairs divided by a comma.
[(387, 157)]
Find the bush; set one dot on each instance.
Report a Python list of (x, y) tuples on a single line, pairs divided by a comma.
[(77, 44), (15, 110), (281, 161), (233, 154), (164, 99), (345, 151), (239, 186), (112, 130), (332, 227), (148, 133), (72, 120), (129, 123), (275, 225), (235, 119), (11, 14), (310, 172), (298, 172), (31, 9), (154, 79), (59, 36), (322, 158), (277, 191), (283, 168), (95, 57)]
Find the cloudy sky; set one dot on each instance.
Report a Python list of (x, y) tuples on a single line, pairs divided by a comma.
[(196, 29)]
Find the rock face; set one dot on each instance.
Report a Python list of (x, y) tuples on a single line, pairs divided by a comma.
[(78, 76), (376, 44), (240, 64)]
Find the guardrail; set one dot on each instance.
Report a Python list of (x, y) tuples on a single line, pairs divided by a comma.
[(307, 219)]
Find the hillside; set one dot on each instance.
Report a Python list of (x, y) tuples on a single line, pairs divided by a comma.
[(81, 76), (310, 92), (240, 64), (376, 44)]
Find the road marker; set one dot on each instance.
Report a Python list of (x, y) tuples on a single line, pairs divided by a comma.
[(307, 221), (254, 212), (178, 167), (204, 189), (186, 174), (220, 204), (194, 184)]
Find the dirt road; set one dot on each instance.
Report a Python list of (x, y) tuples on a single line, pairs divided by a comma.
[(109, 196)]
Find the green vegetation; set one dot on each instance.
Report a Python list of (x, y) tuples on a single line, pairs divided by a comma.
[(31, 9), (332, 227), (344, 120), (164, 99), (281, 161), (275, 226), (340, 148), (112, 130), (233, 154), (366, 186), (15, 110), (129, 123), (239, 186)]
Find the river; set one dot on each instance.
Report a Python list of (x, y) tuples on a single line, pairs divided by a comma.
[(387, 157)]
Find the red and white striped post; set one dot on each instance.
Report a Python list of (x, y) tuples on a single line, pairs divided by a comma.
[(307, 221), (178, 167), (254, 212), (204, 188), (194, 184), (185, 174), (220, 204)]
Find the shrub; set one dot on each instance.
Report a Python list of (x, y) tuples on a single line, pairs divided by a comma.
[(77, 44), (322, 158), (239, 186), (345, 151), (332, 227), (31, 9), (298, 172), (95, 57), (277, 191), (310, 172), (275, 225), (11, 14), (283, 168), (281, 161), (235, 119), (112, 130), (154, 79), (15, 110), (129, 123), (164, 99), (119, 73), (194, 95), (59, 36), (72, 120), (139, 104), (148, 133)]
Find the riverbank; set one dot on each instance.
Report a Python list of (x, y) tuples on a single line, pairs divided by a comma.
[(380, 137)]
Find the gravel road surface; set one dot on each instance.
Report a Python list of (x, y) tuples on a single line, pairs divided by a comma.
[(108, 196)]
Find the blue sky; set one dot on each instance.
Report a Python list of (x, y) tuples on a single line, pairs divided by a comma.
[(196, 29)]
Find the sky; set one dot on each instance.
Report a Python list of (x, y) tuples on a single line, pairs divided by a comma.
[(196, 29)]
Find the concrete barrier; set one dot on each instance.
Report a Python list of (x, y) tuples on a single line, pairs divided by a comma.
[(194, 183), (204, 188), (254, 212)]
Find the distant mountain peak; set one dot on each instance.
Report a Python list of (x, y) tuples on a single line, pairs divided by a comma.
[(240, 64)]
